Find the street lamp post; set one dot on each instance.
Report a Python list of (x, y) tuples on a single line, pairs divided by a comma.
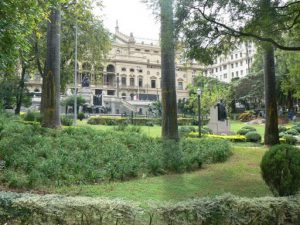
[(75, 72), (199, 110)]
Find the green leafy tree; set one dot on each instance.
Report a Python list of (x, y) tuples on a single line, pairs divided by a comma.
[(213, 91), (211, 27), (18, 20), (249, 90), (70, 102)]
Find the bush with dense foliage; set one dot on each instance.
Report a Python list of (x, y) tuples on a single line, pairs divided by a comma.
[(296, 127), (20, 209), (246, 116), (35, 156), (67, 120), (292, 132), (32, 116), (289, 139), (282, 129), (81, 116), (246, 129), (281, 169), (253, 136), (185, 130)]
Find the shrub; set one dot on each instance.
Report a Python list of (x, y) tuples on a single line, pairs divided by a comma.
[(185, 130), (281, 134), (33, 117), (243, 131), (297, 128), (246, 116), (81, 116), (149, 124), (67, 120), (289, 139), (206, 130), (282, 129), (249, 128), (292, 132), (281, 169), (26, 208), (39, 157), (29, 116), (253, 136)]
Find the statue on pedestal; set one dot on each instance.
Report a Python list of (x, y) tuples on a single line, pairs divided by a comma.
[(222, 115), (85, 81)]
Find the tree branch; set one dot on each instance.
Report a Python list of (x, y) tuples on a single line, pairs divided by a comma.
[(237, 33)]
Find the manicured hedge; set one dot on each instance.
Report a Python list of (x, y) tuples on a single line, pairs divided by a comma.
[(109, 120), (234, 138), (20, 209)]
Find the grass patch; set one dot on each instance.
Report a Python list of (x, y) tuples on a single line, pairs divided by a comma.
[(237, 125), (240, 175)]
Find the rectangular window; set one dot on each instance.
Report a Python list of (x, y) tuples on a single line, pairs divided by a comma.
[(153, 83), (131, 82), (237, 73), (225, 75), (180, 85), (232, 65), (140, 82), (123, 81)]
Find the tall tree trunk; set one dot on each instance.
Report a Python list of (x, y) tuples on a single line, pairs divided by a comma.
[(50, 106), (271, 126), (169, 103), (20, 91)]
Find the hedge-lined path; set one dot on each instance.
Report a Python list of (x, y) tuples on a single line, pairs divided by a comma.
[(240, 175)]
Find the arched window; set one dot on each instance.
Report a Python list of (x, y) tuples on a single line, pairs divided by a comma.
[(110, 69)]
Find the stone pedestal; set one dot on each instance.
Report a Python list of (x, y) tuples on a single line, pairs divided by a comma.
[(218, 127), (87, 94)]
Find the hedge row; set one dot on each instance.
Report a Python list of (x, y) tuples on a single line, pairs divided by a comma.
[(20, 209), (106, 120), (234, 138)]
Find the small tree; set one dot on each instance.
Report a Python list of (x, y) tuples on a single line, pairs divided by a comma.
[(70, 102), (280, 168)]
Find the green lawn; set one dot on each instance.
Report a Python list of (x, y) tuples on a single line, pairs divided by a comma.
[(237, 125), (155, 131), (240, 175)]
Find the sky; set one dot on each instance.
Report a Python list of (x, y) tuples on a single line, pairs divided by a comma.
[(133, 16)]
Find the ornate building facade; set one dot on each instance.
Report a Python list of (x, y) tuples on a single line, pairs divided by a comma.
[(131, 77)]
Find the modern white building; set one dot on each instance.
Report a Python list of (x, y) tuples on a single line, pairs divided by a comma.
[(237, 63)]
